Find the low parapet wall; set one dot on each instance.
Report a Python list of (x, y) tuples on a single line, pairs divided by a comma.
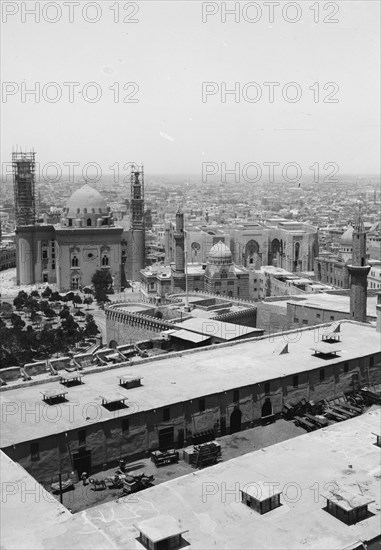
[(180, 296), (36, 368), (10, 373), (60, 363)]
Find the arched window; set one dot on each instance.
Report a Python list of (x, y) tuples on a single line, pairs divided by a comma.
[(224, 274), (105, 260), (88, 223), (74, 261)]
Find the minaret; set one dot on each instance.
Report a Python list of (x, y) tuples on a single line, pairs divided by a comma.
[(179, 238), (358, 272), (135, 260)]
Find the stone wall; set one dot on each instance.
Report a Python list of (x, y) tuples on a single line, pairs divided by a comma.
[(125, 327)]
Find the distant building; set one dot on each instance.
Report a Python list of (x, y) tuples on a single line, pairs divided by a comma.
[(287, 244), (350, 269), (219, 275), (83, 240), (274, 281), (7, 256)]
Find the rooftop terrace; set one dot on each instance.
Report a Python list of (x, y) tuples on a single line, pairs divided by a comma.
[(207, 503), (207, 371)]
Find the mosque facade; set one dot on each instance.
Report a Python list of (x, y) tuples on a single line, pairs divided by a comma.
[(70, 252), (218, 275)]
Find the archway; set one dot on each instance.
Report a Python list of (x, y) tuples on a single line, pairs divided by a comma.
[(296, 256), (267, 408), (253, 255), (235, 421), (275, 253)]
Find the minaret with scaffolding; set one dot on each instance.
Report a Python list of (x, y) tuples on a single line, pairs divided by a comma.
[(24, 188), (23, 165), (135, 260)]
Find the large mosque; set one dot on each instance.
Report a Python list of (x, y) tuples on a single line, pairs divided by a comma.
[(70, 252)]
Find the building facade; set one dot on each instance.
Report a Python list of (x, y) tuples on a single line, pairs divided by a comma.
[(69, 253), (282, 243), (247, 385)]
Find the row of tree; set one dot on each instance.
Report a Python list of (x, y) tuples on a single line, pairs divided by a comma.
[(22, 342)]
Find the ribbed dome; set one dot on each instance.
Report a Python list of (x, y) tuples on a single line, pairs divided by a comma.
[(220, 252), (86, 200), (346, 237)]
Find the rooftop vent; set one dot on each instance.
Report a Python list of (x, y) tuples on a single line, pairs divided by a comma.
[(129, 381), (71, 378), (260, 497), (325, 351), (161, 532), (347, 507), (378, 439), (114, 402), (281, 349), (52, 397)]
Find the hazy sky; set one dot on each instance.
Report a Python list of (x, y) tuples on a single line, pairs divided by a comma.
[(169, 53)]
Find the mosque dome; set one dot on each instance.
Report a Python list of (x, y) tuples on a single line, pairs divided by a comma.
[(220, 253), (86, 200), (346, 238)]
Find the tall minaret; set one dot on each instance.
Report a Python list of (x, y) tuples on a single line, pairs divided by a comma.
[(179, 238), (358, 272), (135, 260)]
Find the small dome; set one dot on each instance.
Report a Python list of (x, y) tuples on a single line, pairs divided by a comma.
[(86, 200), (220, 252), (346, 237)]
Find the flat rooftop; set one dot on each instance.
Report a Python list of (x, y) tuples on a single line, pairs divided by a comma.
[(24, 505), (175, 379), (219, 329), (335, 302), (207, 503)]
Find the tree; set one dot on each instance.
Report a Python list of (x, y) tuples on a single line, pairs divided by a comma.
[(35, 294), (64, 313), (6, 310), (47, 292), (44, 306), (88, 301), (50, 313), (19, 303), (91, 328), (32, 304), (17, 322), (35, 318), (70, 328), (102, 282), (68, 297), (46, 339), (55, 297), (77, 300)]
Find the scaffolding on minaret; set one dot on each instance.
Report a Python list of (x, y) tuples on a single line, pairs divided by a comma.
[(24, 165)]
